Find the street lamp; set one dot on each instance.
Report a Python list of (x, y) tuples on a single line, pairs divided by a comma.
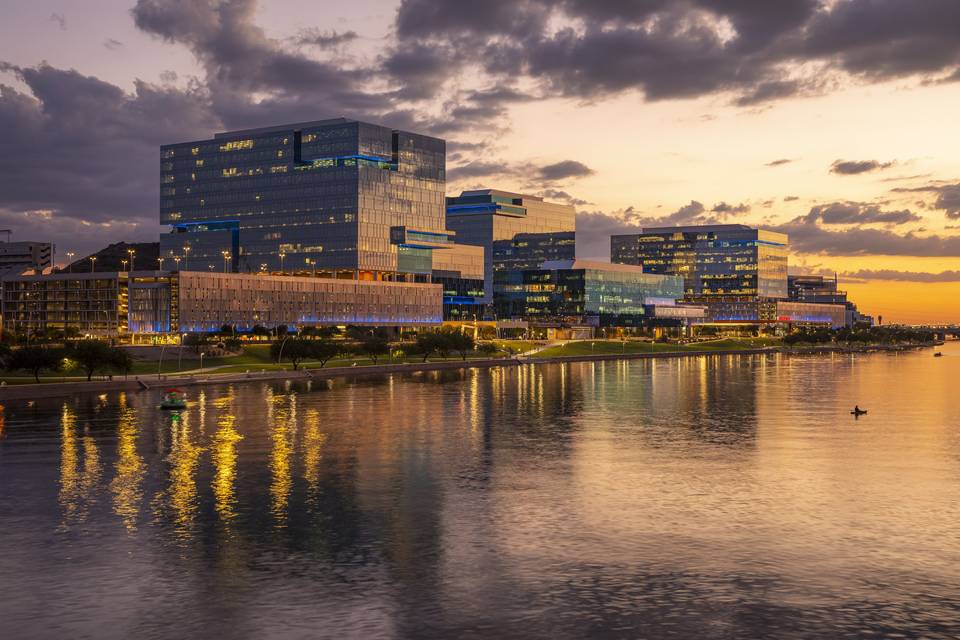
[(226, 257), (160, 260), (131, 252), (282, 255), (312, 263), (93, 261), (70, 255), (124, 263), (210, 266), (186, 254), (177, 260)]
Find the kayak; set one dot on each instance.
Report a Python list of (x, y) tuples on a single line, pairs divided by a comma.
[(858, 413), (173, 400)]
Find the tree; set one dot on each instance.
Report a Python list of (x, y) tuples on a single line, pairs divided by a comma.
[(5, 353), (374, 346), (121, 360), (281, 331), (95, 355), (260, 330), (427, 343), (460, 342), (293, 349), (195, 340), (36, 359), (324, 350)]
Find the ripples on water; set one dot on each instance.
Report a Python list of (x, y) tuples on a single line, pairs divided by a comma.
[(723, 497)]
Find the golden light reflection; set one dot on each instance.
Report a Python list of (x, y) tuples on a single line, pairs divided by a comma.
[(3, 420), (130, 470), (77, 484), (282, 434), (225, 466), (313, 442), (184, 459)]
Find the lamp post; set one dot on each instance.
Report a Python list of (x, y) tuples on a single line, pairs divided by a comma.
[(177, 260), (226, 257), (282, 255), (160, 260), (186, 254), (132, 252), (124, 263), (93, 261), (70, 255)]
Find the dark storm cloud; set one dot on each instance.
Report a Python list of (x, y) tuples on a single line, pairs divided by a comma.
[(594, 229), (948, 197), (858, 213), (325, 39), (757, 49), (855, 167)]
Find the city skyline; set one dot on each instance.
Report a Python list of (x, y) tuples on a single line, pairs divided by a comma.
[(785, 118)]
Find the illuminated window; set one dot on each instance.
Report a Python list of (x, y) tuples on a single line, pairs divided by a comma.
[(237, 145), (195, 150)]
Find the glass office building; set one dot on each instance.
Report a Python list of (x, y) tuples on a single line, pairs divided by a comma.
[(516, 231), (318, 197), (736, 271), (583, 292)]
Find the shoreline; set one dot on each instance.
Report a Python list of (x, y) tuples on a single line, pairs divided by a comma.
[(146, 383)]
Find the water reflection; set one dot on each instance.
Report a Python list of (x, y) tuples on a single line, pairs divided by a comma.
[(714, 497)]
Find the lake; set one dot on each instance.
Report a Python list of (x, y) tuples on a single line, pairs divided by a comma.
[(710, 497)]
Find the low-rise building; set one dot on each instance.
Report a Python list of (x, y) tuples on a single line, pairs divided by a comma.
[(143, 303), (581, 292)]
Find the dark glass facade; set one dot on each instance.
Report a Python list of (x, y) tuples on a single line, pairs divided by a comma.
[(317, 196), (737, 271), (516, 231), (581, 292)]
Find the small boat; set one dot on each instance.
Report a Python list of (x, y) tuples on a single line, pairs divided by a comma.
[(173, 399), (857, 411), (937, 354)]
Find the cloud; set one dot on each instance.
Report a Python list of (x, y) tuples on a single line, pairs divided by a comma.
[(325, 39), (60, 19), (837, 213), (529, 174), (855, 167), (728, 210), (104, 168), (112, 44), (904, 276), (755, 50), (948, 196), (565, 169), (778, 163), (562, 196), (808, 237), (594, 229), (790, 198)]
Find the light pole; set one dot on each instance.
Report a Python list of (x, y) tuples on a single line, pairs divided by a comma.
[(177, 260), (93, 261), (210, 266), (226, 257), (70, 255), (186, 254), (282, 255), (160, 260), (132, 252), (124, 263)]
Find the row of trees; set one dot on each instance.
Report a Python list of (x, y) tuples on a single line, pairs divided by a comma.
[(374, 344), (90, 356), (859, 335)]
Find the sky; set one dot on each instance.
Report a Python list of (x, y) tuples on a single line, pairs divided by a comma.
[(833, 121)]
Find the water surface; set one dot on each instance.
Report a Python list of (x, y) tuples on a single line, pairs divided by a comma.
[(713, 497)]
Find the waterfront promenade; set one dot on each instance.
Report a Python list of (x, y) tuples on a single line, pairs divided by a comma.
[(146, 382)]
